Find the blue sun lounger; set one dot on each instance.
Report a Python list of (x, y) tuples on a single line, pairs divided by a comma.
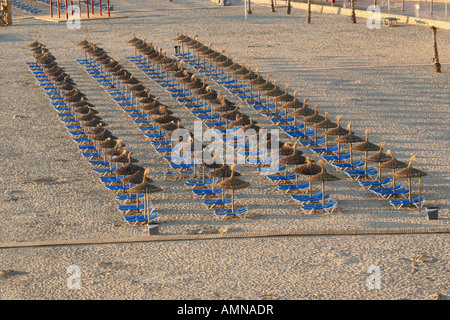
[(372, 184), (151, 217), (398, 203), (202, 193), (302, 199), (222, 213), (347, 165), (332, 159), (309, 208), (211, 203), (278, 179), (293, 187), (387, 194), (195, 183)]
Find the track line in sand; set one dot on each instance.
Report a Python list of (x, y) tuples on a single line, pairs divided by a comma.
[(243, 235)]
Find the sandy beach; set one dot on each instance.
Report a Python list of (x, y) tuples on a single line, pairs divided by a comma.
[(382, 80)]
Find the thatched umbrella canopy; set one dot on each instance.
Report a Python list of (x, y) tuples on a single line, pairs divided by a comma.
[(135, 178), (241, 120), (366, 146), (286, 149), (233, 183), (408, 173), (102, 136), (349, 138), (314, 118), (294, 103), (240, 71), (150, 98), (35, 43), (93, 122), (155, 108), (145, 187), (274, 92), (379, 157), (124, 157), (85, 110), (393, 164), (310, 168), (209, 95), (304, 111), (295, 158), (107, 144), (322, 176), (171, 126), (128, 169), (97, 129), (194, 83), (284, 97), (337, 131), (266, 86), (224, 171), (325, 124)]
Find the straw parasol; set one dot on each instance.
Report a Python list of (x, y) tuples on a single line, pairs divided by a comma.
[(310, 168), (366, 146), (337, 131), (135, 178), (322, 176), (304, 111), (325, 124), (241, 120), (379, 157), (286, 149), (233, 183), (408, 173), (124, 157), (266, 86), (314, 118), (224, 171), (349, 138), (35, 43), (393, 164), (145, 187), (295, 158)]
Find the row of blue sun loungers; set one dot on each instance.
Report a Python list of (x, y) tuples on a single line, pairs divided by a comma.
[(25, 6), (182, 98), (285, 183), (88, 149), (353, 170), (179, 170)]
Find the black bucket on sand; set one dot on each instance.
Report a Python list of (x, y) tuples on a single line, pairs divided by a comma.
[(153, 228), (432, 212)]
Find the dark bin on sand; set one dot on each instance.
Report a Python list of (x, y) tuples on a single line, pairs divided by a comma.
[(432, 212), (153, 228)]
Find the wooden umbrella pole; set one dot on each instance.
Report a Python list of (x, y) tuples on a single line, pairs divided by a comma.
[(59, 10), (232, 200), (87, 8), (409, 185), (67, 12), (420, 192), (100, 7), (51, 8), (393, 178), (107, 2), (92, 6), (71, 6), (323, 192)]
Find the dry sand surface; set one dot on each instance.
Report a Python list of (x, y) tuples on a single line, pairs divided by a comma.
[(381, 80)]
